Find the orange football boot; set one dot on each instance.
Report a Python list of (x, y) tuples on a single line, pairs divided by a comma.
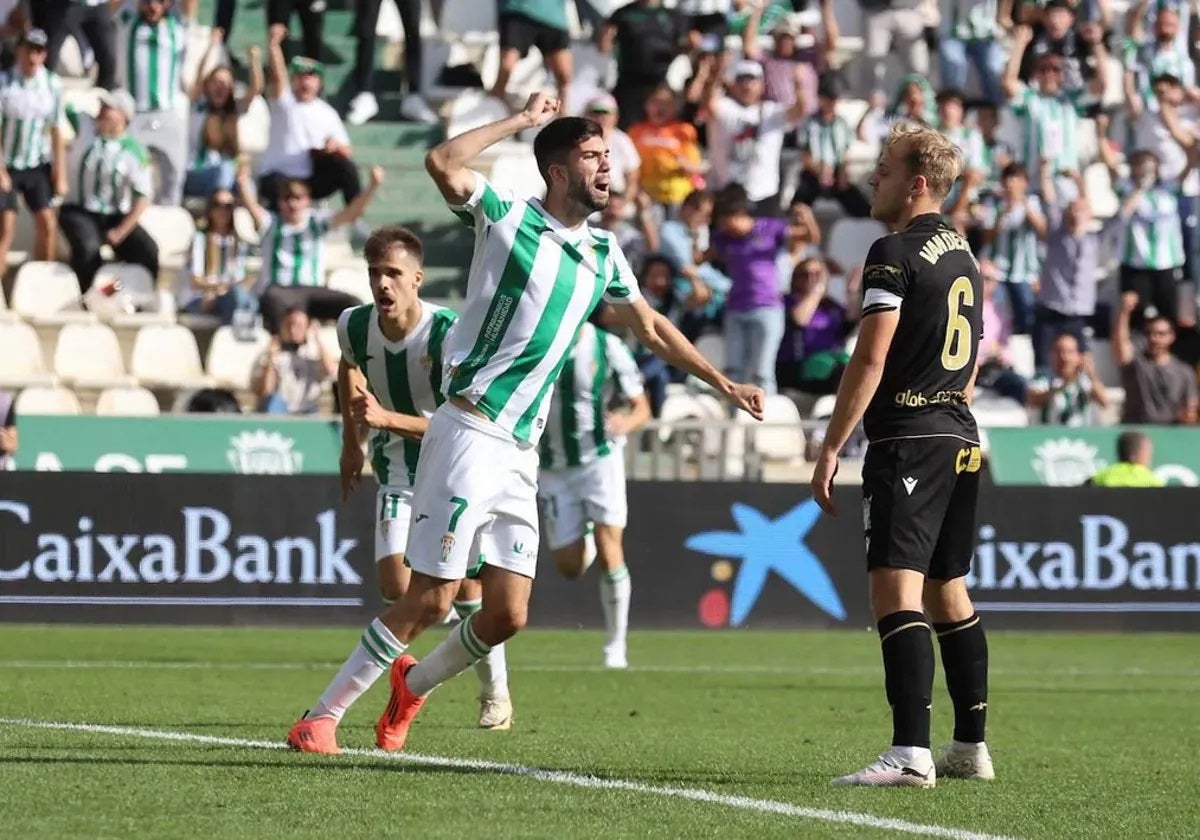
[(315, 735), (392, 729)]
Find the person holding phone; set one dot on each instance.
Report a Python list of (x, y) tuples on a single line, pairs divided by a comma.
[(291, 373)]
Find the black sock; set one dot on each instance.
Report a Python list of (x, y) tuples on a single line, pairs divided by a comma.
[(908, 675), (965, 659)]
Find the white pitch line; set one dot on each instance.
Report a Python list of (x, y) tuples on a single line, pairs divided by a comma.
[(557, 777)]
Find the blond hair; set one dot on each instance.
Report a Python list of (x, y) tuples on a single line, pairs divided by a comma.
[(926, 152)]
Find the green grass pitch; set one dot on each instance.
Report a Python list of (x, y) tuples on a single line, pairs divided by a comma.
[(1093, 736)]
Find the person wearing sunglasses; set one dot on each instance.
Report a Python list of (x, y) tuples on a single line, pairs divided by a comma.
[(214, 280), (33, 148)]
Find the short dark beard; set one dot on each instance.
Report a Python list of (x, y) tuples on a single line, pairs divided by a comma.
[(579, 195)]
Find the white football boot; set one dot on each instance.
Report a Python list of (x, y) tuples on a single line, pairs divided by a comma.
[(966, 761), (495, 713), (894, 769)]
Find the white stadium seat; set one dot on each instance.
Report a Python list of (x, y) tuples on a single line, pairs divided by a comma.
[(127, 402), (172, 228), (780, 437), (89, 356), (1020, 354), (243, 225), (231, 361), (850, 239), (120, 288), (1097, 184), (167, 355), (327, 335), (46, 400), (351, 280), (47, 291), (254, 127), (21, 361)]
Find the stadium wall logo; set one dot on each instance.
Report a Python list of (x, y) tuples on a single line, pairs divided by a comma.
[(264, 453), (763, 545)]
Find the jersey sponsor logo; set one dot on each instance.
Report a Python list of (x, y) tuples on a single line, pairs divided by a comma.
[(880, 273), (969, 460), (914, 399), (942, 243), (910, 483), (421, 517)]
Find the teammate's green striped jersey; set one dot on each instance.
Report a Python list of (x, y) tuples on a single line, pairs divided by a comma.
[(1152, 238), (532, 284), (294, 255), (1016, 250), (1049, 129), (29, 107), (152, 64), (1149, 61), (110, 173), (827, 142), (599, 368), (405, 376)]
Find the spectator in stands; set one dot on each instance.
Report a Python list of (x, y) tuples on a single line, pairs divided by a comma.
[(1079, 49), (1135, 454), (213, 144), (534, 23), (754, 317), (914, 101), (90, 18), (14, 22), (669, 150), (8, 431), (1071, 392), (1158, 387), (33, 150), (685, 242), (1160, 55), (214, 278), (789, 70), (813, 353), (647, 37), (896, 28), (673, 296), (312, 23), (293, 249), (295, 368), (153, 44), (1151, 234), (637, 236), (1014, 227), (997, 153), (970, 37), (951, 112), (825, 139), (1066, 295), (745, 134), (307, 140), (111, 189), (623, 158), (364, 106), (995, 371)]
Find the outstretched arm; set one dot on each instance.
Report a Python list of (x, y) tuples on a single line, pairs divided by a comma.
[(447, 163)]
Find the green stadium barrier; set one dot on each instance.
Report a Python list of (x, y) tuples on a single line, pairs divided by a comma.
[(1057, 456)]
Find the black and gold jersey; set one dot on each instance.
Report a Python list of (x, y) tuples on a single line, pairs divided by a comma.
[(928, 273)]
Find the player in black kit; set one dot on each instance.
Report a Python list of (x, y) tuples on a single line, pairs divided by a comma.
[(910, 381)]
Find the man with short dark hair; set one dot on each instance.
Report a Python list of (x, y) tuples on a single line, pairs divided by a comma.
[(1135, 453), (910, 381), (1158, 387), (538, 272)]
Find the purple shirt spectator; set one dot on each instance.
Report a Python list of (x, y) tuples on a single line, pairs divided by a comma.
[(751, 262), (826, 330)]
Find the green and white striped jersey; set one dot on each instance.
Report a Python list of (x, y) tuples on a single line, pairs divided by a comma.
[(1016, 250), (1049, 129), (294, 255), (973, 20), (110, 173), (405, 376), (1152, 238), (827, 142), (1148, 61), (152, 66), (29, 107), (970, 143), (532, 284), (598, 368)]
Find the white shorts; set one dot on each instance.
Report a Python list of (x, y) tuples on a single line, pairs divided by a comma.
[(475, 499), (393, 513), (572, 497)]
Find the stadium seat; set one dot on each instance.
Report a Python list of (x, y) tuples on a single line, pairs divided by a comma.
[(231, 361), (517, 172), (47, 400), (48, 292), (121, 288), (254, 127), (327, 335), (172, 228), (89, 356), (823, 408), (351, 280), (1097, 184), (21, 362), (6, 314), (780, 437), (998, 412), (167, 356), (1020, 354), (127, 402), (850, 239), (243, 224)]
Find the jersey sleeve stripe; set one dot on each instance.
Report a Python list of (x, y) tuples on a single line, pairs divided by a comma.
[(443, 320)]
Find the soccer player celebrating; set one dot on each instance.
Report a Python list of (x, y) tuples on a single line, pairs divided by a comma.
[(582, 477), (537, 272), (910, 381), (390, 382)]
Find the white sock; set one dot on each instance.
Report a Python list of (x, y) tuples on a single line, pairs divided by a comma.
[(375, 653), (589, 547), (492, 670), (917, 757), (457, 652), (615, 591)]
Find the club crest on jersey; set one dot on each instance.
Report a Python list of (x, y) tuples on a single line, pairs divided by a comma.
[(447, 545), (426, 362)]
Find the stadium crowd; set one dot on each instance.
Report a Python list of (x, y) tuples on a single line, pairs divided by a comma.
[(738, 188)]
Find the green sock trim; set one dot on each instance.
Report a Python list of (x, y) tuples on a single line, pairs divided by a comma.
[(471, 642), (466, 608), (379, 658), (390, 651), (617, 575)]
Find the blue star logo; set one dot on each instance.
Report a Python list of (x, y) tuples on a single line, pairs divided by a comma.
[(771, 545)]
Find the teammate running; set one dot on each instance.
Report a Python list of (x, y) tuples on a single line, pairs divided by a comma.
[(537, 272), (910, 380), (390, 381), (582, 476)]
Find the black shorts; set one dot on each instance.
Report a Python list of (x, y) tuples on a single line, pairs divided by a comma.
[(919, 497), (519, 33), (33, 185), (1157, 288)]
